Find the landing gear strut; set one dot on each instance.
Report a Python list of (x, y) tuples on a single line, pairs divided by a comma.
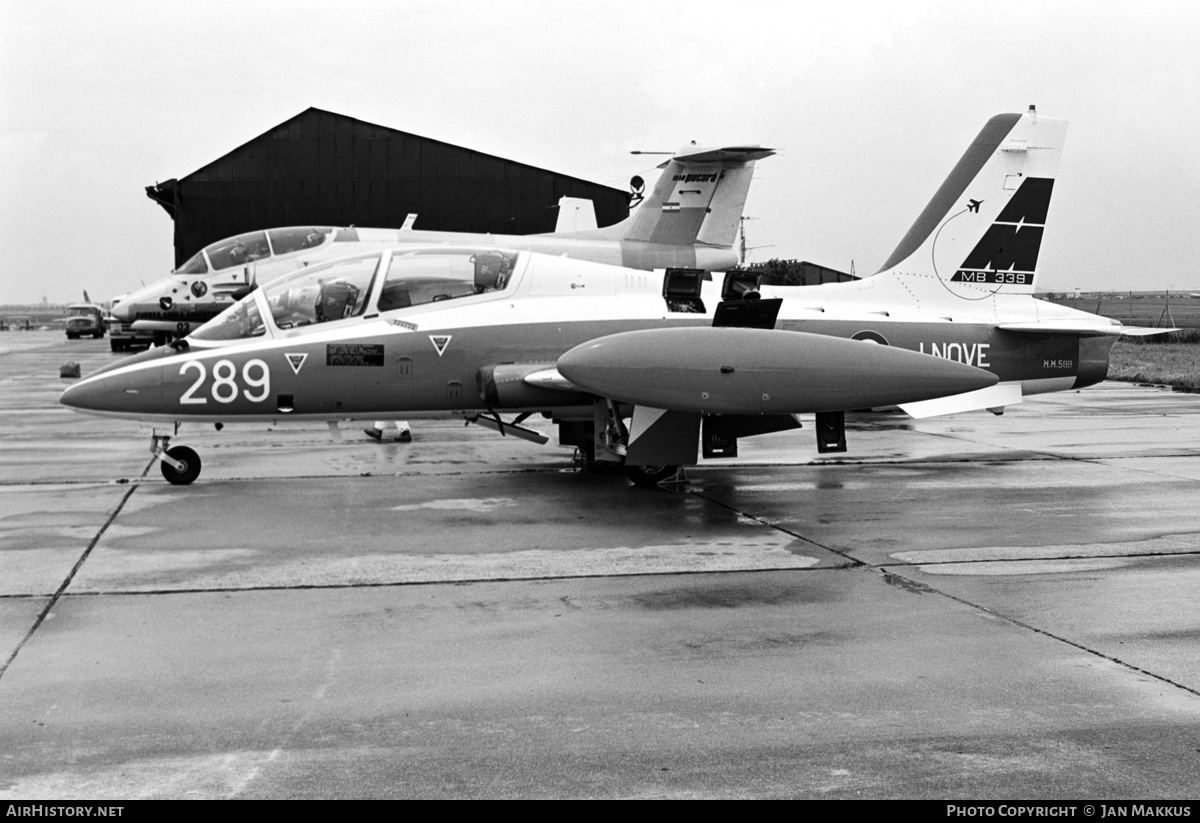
[(180, 465)]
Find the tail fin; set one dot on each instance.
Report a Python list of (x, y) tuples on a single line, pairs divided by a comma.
[(698, 199), (981, 233), (574, 214)]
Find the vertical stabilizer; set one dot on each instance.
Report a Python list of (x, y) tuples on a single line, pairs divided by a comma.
[(574, 214), (699, 197), (981, 234)]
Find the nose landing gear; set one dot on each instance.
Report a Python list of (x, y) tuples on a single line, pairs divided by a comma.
[(180, 465)]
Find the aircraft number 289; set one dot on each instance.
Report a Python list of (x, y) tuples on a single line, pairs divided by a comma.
[(225, 388)]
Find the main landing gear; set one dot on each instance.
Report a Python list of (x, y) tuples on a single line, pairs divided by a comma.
[(615, 439), (648, 477), (180, 465)]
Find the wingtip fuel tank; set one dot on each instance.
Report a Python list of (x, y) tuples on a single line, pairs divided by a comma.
[(756, 371)]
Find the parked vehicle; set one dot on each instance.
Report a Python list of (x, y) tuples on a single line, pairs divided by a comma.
[(84, 319)]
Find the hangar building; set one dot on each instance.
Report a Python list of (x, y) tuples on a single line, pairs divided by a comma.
[(321, 168)]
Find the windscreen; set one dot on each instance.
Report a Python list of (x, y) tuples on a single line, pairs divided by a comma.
[(311, 296), (195, 265)]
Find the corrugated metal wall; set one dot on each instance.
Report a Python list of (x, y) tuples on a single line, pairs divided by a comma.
[(328, 169)]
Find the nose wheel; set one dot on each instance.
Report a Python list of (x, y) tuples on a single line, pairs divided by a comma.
[(180, 465), (183, 468)]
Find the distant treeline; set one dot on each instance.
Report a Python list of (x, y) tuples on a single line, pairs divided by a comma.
[(797, 273)]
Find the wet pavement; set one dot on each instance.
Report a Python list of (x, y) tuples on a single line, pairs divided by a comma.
[(962, 607)]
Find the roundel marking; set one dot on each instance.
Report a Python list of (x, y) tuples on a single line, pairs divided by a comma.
[(870, 337)]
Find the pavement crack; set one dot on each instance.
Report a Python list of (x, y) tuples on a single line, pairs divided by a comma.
[(71, 574), (850, 560), (894, 578)]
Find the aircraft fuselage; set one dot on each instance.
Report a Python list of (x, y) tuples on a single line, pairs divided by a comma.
[(471, 353)]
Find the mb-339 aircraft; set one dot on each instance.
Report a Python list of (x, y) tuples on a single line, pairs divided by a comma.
[(638, 367), (689, 220)]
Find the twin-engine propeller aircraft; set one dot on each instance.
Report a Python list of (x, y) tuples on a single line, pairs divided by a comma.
[(637, 367), (689, 220)]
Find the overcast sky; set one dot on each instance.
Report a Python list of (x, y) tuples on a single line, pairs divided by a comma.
[(869, 104)]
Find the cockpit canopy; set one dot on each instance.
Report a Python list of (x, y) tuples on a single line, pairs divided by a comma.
[(255, 245), (364, 284)]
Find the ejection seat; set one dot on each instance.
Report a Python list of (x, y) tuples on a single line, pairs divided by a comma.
[(491, 272)]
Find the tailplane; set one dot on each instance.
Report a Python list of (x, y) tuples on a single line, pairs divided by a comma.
[(981, 234)]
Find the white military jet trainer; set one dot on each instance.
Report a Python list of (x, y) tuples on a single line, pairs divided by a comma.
[(638, 367), (689, 220)]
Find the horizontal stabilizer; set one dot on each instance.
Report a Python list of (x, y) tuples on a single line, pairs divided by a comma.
[(1084, 327), (1142, 331), (730, 154), (1003, 394)]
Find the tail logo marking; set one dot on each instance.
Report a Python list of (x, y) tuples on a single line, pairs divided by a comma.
[(1007, 254)]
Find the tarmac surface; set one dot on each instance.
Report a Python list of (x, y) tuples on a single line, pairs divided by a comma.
[(971, 607)]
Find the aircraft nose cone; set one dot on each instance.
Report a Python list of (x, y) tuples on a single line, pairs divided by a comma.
[(81, 396), (120, 393)]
